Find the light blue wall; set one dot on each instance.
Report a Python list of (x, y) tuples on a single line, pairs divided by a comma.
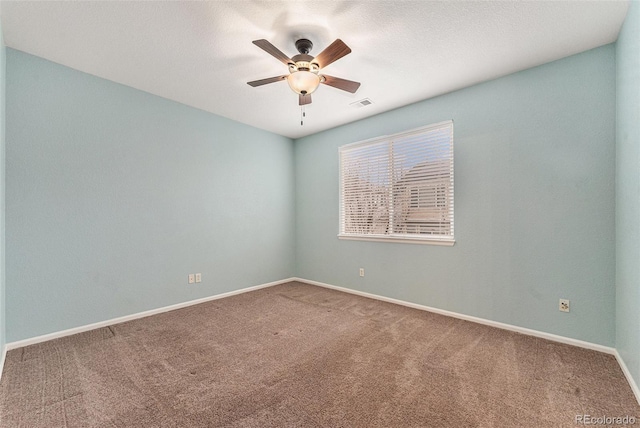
[(3, 52), (628, 192), (115, 195), (534, 203)]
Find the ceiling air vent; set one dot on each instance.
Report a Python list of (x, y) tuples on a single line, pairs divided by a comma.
[(362, 103)]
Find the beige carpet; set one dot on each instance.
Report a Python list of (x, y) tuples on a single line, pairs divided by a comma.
[(297, 355)]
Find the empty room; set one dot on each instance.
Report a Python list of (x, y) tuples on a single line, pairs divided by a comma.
[(319, 213)]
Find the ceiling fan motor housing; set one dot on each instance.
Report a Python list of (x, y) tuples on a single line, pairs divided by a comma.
[(303, 63)]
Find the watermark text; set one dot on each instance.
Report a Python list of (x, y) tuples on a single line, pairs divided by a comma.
[(605, 420)]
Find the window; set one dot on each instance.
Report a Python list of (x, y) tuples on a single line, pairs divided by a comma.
[(399, 187)]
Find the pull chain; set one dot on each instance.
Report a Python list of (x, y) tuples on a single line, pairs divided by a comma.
[(302, 115)]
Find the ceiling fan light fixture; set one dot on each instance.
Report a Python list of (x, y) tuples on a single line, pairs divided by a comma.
[(303, 82)]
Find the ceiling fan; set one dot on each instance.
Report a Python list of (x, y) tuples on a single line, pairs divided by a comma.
[(304, 70)]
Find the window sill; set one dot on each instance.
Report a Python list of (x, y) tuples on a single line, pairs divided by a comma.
[(399, 240)]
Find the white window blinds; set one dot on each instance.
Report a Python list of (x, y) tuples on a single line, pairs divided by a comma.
[(399, 187)]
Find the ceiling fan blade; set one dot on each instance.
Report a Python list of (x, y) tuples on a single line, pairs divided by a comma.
[(303, 100), (270, 49), (265, 81), (344, 84), (333, 52)]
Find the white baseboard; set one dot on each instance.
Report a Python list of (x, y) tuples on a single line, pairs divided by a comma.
[(81, 329), (527, 331), (627, 374), (3, 355)]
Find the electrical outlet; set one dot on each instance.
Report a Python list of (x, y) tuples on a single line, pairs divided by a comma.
[(564, 305), (192, 278), (361, 271), (198, 277)]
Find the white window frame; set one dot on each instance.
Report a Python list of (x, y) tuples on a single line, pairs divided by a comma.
[(386, 191)]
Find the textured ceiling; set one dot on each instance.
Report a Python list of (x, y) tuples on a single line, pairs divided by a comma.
[(200, 53)]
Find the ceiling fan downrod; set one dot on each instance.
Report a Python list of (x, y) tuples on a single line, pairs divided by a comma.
[(304, 46)]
